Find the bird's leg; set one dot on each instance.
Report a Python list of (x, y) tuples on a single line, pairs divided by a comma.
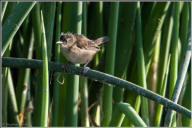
[(85, 68), (85, 65)]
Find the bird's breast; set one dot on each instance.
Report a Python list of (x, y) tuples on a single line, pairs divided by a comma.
[(77, 55)]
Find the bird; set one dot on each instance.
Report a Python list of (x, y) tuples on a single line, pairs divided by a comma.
[(78, 49)]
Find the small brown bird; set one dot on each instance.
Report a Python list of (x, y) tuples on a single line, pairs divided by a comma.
[(78, 49)]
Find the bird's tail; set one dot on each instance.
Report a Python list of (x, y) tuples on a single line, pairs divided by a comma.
[(101, 40)]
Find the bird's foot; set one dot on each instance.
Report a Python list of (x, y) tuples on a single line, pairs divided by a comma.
[(84, 70)]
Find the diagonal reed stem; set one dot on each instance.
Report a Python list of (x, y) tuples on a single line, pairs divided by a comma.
[(96, 75)]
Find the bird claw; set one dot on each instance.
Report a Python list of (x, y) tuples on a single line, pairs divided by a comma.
[(84, 70)]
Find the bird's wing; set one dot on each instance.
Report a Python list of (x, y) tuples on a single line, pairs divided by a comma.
[(84, 43)]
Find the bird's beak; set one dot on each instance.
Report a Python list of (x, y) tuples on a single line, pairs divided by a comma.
[(59, 42)]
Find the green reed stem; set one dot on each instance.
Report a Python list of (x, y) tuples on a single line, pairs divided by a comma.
[(110, 63)]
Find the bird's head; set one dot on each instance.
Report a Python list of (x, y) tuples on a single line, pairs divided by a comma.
[(66, 39)]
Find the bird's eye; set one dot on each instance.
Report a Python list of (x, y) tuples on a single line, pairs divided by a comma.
[(62, 38)]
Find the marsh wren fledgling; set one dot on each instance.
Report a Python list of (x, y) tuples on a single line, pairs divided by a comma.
[(78, 49)]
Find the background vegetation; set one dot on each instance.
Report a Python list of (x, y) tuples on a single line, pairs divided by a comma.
[(148, 44)]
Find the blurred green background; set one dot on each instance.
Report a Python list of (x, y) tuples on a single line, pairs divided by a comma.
[(146, 47)]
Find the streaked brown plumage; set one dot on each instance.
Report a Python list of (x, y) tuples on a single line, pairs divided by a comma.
[(78, 49)]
